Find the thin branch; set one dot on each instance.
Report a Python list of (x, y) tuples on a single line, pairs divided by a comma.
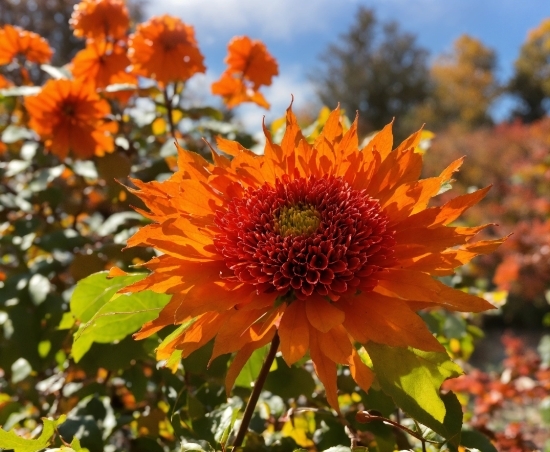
[(258, 385), (168, 104)]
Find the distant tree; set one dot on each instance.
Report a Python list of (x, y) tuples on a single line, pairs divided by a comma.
[(375, 69), (463, 86), (531, 80), (50, 19)]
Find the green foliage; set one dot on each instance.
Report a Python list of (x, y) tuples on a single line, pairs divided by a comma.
[(412, 378), (107, 316), (10, 440)]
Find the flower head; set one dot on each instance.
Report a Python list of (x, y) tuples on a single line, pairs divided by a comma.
[(165, 49), (326, 244), (70, 117), (250, 66), (15, 41), (100, 19), (102, 63)]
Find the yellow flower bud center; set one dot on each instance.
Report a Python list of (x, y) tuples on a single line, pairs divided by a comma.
[(296, 220)]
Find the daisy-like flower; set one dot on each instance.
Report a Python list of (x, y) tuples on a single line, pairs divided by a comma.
[(70, 116), (100, 19), (325, 245), (14, 42), (250, 66), (102, 63), (165, 49)]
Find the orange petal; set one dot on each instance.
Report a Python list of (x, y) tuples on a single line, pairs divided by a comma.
[(418, 286), (360, 372), (242, 356), (322, 314), (382, 142), (411, 142), (335, 344), (388, 321), (115, 271), (294, 332), (325, 369)]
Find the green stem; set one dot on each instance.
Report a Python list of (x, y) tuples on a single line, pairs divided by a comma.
[(168, 103), (253, 400)]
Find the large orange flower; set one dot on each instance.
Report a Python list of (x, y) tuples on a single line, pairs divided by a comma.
[(15, 41), (70, 117), (165, 49), (327, 245), (250, 66), (99, 19), (102, 63)]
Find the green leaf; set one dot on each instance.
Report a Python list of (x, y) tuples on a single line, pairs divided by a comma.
[(108, 316), (57, 73), (20, 369), (20, 91), (289, 382), (9, 440), (12, 134), (93, 292), (251, 369), (225, 418), (412, 378), (544, 349), (473, 439)]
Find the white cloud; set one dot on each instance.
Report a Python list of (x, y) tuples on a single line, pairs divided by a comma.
[(282, 19)]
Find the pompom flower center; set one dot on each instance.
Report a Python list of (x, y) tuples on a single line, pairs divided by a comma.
[(305, 235), (296, 220)]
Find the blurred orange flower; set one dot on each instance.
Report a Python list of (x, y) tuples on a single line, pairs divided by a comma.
[(234, 92), (70, 117), (4, 82), (165, 49), (250, 67), (102, 63), (100, 19), (326, 245), (15, 41)]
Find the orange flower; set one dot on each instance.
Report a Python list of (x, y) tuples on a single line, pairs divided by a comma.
[(327, 244), (15, 41), (235, 92), (250, 67), (102, 63), (164, 48), (4, 82), (100, 19), (70, 116)]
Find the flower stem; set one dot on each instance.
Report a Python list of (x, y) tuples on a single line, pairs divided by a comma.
[(168, 102), (258, 385)]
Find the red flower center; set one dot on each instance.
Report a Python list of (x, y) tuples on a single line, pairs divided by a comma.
[(306, 235)]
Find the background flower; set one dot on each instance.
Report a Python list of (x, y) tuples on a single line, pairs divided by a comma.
[(165, 49), (15, 41), (102, 63), (250, 66), (100, 19), (70, 116)]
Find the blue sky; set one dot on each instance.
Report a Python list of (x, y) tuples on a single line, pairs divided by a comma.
[(297, 31)]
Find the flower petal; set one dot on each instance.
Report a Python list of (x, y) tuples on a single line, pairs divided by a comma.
[(294, 332), (322, 314)]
